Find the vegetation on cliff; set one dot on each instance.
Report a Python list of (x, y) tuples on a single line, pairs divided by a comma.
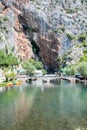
[(75, 60)]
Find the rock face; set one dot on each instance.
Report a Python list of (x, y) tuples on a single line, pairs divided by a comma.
[(49, 24), (62, 16), (6, 27), (49, 49), (23, 45), (16, 39)]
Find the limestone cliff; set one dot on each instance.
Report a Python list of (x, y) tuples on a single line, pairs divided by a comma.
[(15, 38)]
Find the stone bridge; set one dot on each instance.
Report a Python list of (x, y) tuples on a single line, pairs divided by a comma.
[(46, 78)]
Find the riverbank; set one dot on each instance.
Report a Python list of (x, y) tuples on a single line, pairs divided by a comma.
[(21, 79), (4, 86)]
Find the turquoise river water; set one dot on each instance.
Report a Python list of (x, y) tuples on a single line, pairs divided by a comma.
[(48, 106)]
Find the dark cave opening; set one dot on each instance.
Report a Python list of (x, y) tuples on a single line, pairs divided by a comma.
[(35, 47)]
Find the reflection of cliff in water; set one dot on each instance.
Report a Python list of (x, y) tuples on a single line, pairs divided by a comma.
[(56, 81)]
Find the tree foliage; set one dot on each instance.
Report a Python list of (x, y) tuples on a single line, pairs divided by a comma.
[(9, 74), (3, 59), (12, 60), (7, 59), (29, 67)]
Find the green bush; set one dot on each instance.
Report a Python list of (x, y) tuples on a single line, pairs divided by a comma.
[(44, 71), (31, 65), (38, 65), (82, 37), (84, 44), (84, 52), (63, 29), (70, 36), (69, 70), (82, 68), (83, 58), (56, 30), (71, 11)]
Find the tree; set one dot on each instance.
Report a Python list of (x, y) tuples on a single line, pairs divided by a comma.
[(7, 59), (30, 69), (10, 75), (3, 59), (12, 60)]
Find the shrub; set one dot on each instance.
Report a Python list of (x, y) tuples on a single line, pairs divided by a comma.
[(70, 36), (69, 70), (82, 68), (31, 65), (84, 52), (63, 29), (44, 71), (71, 11), (83, 58), (56, 30), (38, 65), (84, 44), (82, 37)]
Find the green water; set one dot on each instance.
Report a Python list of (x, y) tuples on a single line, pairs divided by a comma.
[(58, 106)]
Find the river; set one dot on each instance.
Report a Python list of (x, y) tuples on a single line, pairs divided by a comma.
[(44, 106)]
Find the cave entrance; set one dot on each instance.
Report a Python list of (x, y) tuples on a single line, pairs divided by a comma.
[(35, 47)]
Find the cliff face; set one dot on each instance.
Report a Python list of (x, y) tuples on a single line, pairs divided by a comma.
[(12, 34), (63, 17), (49, 49), (44, 24)]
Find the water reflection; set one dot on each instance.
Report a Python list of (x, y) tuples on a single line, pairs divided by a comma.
[(14, 106), (44, 106), (46, 85), (2, 89)]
